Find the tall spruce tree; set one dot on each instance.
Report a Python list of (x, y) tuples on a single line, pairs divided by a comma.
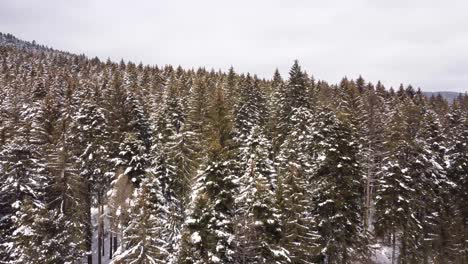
[(337, 194), (295, 168), (143, 240), (400, 187), (173, 162), (259, 229), (209, 236), (24, 181), (457, 173)]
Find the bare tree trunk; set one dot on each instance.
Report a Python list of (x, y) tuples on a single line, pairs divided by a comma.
[(393, 246), (110, 243), (368, 199), (370, 162), (404, 247), (464, 259), (89, 226), (103, 233), (115, 243), (99, 230)]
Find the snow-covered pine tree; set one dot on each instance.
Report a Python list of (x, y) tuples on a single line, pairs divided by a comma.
[(173, 161), (249, 112), (458, 174), (438, 212), (274, 97), (250, 109), (66, 211), (88, 135), (133, 137), (27, 237), (143, 241), (131, 164), (350, 104), (293, 188), (231, 87), (197, 115), (373, 117), (129, 135), (400, 186), (133, 158), (298, 237), (288, 97), (358, 107), (46, 236), (337, 191), (23, 176), (439, 105), (294, 163), (11, 128), (296, 136), (65, 194), (259, 226), (209, 234), (136, 106)]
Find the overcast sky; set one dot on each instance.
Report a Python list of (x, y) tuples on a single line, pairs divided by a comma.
[(418, 42)]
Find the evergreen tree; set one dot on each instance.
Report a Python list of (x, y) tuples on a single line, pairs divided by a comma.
[(27, 235), (89, 133), (400, 189), (294, 162), (143, 241), (297, 226), (23, 176), (197, 116), (250, 112), (209, 227), (457, 173), (439, 231), (259, 227), (374, 116), (337, 196), (173, 162), (289, 98)]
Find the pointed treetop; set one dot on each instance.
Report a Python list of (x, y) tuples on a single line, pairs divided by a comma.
[(277, 76), (296, 71), (360, 84), (231, 72)]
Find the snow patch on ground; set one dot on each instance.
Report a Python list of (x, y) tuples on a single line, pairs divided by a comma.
[(95, 220), (382, 254)]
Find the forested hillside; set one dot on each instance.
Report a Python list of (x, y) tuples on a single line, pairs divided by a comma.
[(197, 166)]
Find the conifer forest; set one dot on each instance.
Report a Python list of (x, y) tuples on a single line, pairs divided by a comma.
[(116, 162)]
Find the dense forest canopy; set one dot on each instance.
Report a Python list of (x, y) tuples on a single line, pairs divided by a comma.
[(201, 166)]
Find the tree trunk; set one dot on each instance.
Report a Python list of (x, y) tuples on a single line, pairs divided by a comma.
[(464, 259), (89, 226), (115, 243), (99, 231), (110, 244), (370, 164), (393, 246), (103, 233), (403, 251)]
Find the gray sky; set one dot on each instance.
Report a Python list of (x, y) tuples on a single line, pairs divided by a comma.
[(422, 42)]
